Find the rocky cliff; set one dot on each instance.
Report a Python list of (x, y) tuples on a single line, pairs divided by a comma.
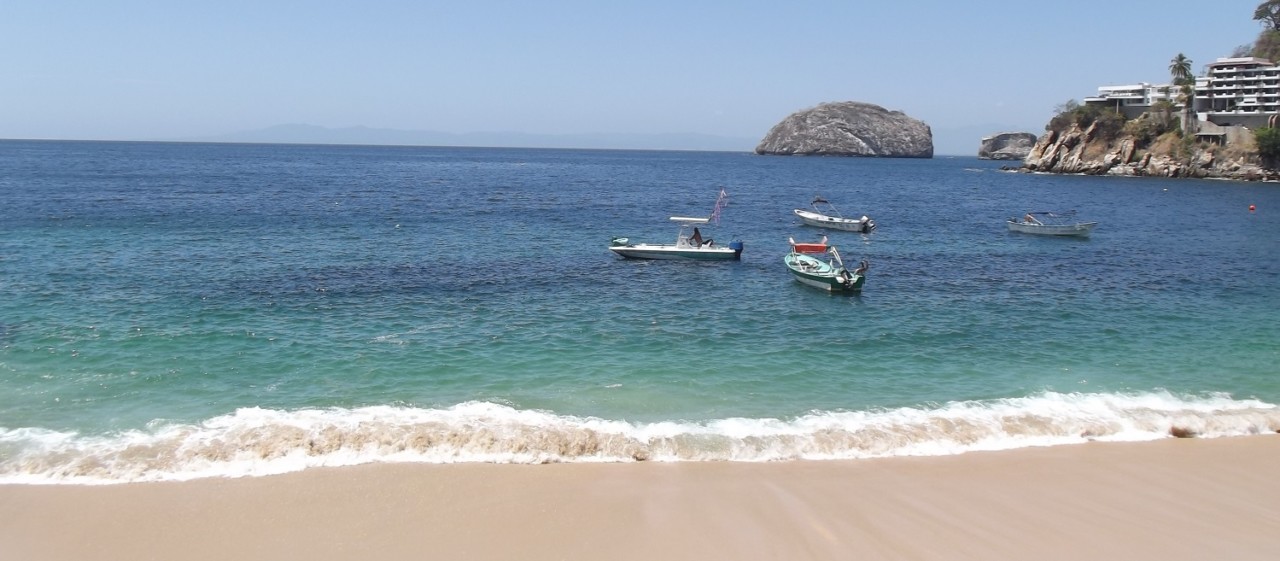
[(849, 128), (1076, 150), (1007, 146)]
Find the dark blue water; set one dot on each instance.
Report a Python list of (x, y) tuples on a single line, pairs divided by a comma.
[(230, 300)]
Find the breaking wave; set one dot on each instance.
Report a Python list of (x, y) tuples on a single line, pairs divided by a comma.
[(254, 442)]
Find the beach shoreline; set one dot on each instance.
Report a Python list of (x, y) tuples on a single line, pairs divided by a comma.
[(1167, 500)]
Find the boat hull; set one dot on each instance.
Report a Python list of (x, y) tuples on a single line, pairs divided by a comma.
[(835, 223), (813, 272), (673, 253), (1081, 229)]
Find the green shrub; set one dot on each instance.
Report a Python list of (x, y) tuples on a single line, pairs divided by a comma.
[(1145, 129), (1107, 124), (1110, 123), (1268, 142)]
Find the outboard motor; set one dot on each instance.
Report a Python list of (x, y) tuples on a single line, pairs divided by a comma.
[(736, 246)]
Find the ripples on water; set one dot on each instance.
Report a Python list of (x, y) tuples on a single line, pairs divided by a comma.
[(154, 290)]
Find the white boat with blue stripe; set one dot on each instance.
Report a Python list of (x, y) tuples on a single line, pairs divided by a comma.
[(690, 244)]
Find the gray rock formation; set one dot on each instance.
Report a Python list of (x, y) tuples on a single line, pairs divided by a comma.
[(1074, 150), (849, 128), (1006, 146)]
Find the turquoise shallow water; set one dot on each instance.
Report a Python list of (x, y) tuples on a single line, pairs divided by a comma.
[(170, 311)]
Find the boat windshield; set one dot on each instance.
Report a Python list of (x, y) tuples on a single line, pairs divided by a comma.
[(1050, 217)]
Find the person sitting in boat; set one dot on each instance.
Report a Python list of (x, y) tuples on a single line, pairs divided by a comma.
[(696, 239), (1030, 219)]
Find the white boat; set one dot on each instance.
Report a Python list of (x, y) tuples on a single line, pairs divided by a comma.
[(827, 216), (826, 272), (1048, 223), (690, 244)]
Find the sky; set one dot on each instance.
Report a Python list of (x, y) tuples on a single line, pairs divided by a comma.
[(158, 70)]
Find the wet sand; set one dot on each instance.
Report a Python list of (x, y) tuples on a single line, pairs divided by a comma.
[(1168, 500)]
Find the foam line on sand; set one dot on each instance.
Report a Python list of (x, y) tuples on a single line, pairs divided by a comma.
[(1166, 500)]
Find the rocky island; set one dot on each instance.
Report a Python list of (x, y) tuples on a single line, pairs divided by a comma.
[(849, 128), (1006, 146)]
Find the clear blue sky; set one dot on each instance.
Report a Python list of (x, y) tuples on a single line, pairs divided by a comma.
[(140, 70)]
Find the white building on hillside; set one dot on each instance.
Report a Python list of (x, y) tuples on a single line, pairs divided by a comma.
[(1234, 92), (1239, 91), (1133, 100)]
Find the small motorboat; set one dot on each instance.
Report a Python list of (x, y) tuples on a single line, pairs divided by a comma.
[(1047, 223), (819, 265), (825, 215), (689, 246)]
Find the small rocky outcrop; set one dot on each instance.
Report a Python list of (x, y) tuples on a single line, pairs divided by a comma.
[(849, 128), (1076, 151), (1006, 146)]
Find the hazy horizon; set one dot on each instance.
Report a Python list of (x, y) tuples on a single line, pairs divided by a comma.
[(140, 70), (298, 133)]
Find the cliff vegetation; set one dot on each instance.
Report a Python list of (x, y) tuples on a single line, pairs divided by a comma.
[(1096, 139)]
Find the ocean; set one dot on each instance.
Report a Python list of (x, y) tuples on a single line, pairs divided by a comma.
[(171, 311)]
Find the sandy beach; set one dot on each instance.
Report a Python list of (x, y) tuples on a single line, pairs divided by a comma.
[(1166, 500)]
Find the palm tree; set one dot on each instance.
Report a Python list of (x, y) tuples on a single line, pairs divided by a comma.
[(1180, 70)]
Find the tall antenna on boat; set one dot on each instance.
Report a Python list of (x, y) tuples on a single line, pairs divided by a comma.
[(721, 202)]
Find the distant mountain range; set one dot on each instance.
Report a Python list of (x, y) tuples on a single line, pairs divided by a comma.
[(312, 134)]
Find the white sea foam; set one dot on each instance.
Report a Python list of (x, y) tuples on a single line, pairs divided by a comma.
[(254, 442)]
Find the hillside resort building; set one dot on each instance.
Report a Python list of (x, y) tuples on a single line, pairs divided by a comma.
[(1235, 92)]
